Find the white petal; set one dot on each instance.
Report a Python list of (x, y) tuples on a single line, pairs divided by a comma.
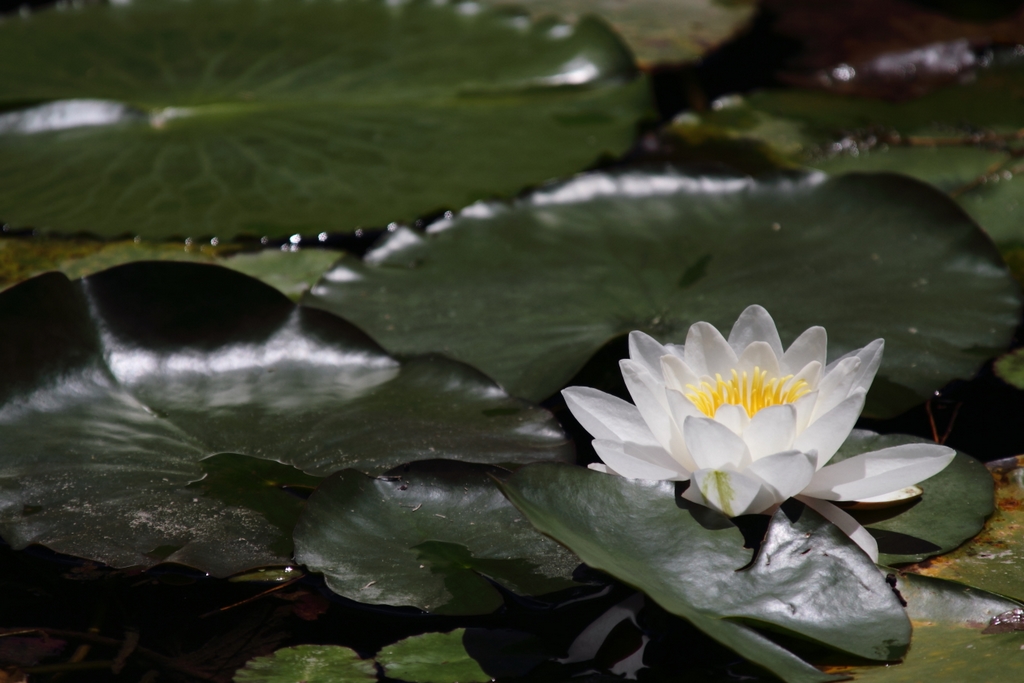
[(804, 409), (607, 417), (647, 351), (836, 385), (771, 430), (785, 474), (879, 472), (707, 352), (733, 417), (677, 373), (870, 357), (847, 524), (680, 408), (649, 396), (810, 373), (639, 462), (713, 446), (809, 346), (753, 325), (827, 433), (728, 492), (760, 355), (601, 467)]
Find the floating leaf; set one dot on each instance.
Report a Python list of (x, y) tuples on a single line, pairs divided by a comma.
[(431, 535), (1010, 368), (528, 292), (117, 386), (808, 578), (994, 559), (431, 658), (949, 641), (290, 272), (271, 117), (309, 664), (953, 508), (963, 138), (657, 30)]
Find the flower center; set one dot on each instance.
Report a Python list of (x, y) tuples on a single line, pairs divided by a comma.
[(753, 392)]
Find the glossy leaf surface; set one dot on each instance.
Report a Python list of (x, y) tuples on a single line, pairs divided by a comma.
[(656, 30), (117, 386), (808, 577), (866, 256), (431, 658), (310, 664), (427, 535), (955, 504), (272, 117)]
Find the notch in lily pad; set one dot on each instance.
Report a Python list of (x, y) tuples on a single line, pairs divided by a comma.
[(437, 535)]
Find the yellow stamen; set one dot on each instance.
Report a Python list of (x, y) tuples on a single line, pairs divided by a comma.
[(753, 392)]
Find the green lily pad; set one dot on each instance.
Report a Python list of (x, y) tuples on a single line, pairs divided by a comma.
[(431, 658), (1010, 368), (117, 386), (949, 640), (431, 535), (657, 30), (588, 260), (962, 138), (808, 578), (227, 117), (955, 504), (309, 664), (994, 559), (290, 272)]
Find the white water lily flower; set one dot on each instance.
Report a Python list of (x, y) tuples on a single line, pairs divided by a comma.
[(750, 424)]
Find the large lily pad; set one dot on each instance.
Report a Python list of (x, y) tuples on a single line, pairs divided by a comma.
[(117, 386), (963, 138), (953, 508), (431, 535), (527, 292), (271, 117), (994, 559), (808, 577), (657, 30)]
